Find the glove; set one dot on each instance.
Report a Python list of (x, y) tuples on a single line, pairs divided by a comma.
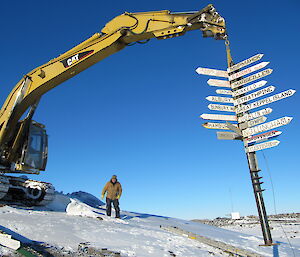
[(102, 197), (118, 197)]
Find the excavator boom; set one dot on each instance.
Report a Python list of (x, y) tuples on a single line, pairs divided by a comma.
[(23, 143), (117, 34)]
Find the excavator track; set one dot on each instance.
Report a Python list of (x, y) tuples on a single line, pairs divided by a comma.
[(20, 190)]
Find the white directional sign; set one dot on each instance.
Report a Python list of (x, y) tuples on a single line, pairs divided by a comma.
[(218, 83), (262, 146), (263, 137), (249, 88), (245, 62), (251, 78), (254, 95), (212, 72), (224, 135), (249, 116), (248, 70), (224, 92), (213, 125), (220, 107), (254, 122), (266, 126), (219, 99), (265, 101), (208, 116)]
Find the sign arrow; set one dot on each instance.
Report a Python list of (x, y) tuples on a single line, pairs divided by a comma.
[(254, 122), (248, 70), (220, 107), (219, 99), (224, 92), (218, 83), (212, 72), (213, 125), (254, 95), (234, 128), (263, 137), (251, 78), (262, 146), (265, 101), (249, 88), (224, 135), (267, 126), (245, 62), (249, 116), (208, 116)]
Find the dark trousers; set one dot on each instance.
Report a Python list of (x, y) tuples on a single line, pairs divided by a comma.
[(116, 206)]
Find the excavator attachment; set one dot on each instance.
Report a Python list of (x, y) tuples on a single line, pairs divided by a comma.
[(211, 23)]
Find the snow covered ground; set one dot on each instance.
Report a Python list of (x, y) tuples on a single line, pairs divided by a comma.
[(70, 220)]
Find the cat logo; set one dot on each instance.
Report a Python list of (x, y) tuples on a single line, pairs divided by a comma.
[(75, 58)]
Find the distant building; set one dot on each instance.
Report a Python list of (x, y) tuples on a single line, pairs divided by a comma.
[(235, 215)]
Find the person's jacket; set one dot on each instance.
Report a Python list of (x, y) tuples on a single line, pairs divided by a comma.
[(113, 190)]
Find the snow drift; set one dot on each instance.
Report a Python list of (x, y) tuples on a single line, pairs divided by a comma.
[(80, 217)]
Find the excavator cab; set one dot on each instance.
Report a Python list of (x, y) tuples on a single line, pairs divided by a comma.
[(35, 152), (30, 157)]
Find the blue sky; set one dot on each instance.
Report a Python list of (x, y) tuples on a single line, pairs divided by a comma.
[(135, 114)]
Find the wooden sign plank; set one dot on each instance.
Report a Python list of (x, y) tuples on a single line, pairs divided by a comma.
[(262, 146), (212, 72), (245, 90), (267, 126), (248, 70), (254, 95), (251, 78), (218, 83), (245, 62), (265, 101), (221, 107), (207, 116)]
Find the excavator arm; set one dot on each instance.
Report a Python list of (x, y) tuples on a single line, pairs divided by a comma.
[(120, 32)]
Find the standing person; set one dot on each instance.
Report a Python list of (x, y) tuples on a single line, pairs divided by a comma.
[(114, 191)]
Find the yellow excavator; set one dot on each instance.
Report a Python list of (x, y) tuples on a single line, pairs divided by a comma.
[(23, 141)]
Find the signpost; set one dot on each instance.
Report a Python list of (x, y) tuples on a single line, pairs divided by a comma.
[(248, 124)]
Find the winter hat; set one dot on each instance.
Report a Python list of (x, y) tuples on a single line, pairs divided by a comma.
[(114, 177)]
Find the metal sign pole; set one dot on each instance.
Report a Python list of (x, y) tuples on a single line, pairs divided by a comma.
[(255, 178)]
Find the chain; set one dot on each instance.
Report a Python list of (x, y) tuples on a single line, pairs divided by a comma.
[(228, 53)]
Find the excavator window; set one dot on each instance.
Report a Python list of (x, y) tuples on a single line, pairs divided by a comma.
[(36, 150)]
